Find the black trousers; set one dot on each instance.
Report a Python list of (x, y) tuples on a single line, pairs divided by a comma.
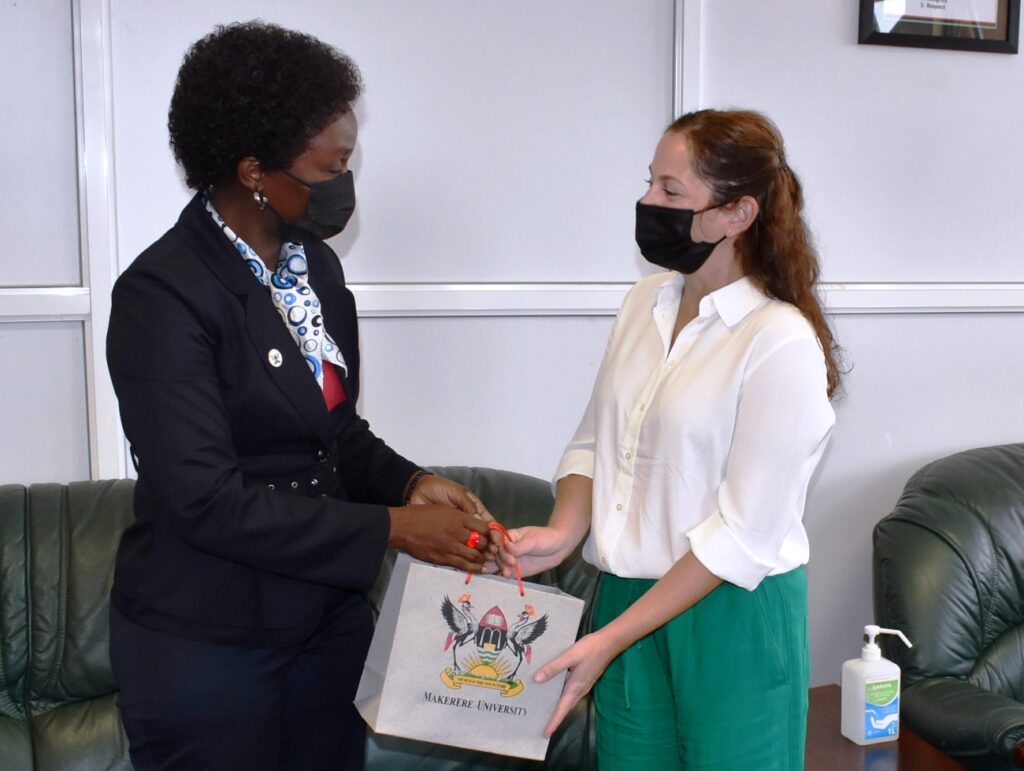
[(197, 705)]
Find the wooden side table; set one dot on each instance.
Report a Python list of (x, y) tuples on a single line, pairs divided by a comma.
[(827, 749)]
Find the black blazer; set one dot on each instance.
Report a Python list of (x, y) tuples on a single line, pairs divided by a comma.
[(232, 539)]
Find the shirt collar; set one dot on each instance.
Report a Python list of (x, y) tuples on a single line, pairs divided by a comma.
[(733, 302), (669, 291)]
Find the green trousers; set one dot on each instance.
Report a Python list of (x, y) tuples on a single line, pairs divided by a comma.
[(722, 686)]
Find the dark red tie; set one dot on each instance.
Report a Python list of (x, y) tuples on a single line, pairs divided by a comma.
[(334, 390)]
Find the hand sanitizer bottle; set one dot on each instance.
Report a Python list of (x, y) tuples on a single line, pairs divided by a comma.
[(871, 693)]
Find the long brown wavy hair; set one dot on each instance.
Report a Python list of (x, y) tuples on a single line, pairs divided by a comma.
[(738, 153)]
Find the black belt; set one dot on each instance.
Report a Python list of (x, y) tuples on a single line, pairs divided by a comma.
[(319, 479)]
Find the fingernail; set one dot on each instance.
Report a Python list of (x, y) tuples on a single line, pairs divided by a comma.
[(539, 677)]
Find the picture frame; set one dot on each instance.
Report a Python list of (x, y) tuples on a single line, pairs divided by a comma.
[(961, 25)]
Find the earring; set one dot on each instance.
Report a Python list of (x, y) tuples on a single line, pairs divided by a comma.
[(261, 200)]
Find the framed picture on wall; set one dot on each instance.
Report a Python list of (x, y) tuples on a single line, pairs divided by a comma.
[(966, 25)]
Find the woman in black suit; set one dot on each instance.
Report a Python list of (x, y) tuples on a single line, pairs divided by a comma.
[(264, 503)]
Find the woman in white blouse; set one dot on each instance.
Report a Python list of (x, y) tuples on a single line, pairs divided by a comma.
[(691, 464)]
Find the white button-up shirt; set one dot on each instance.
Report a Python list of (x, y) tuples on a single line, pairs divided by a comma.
[(705, 444)]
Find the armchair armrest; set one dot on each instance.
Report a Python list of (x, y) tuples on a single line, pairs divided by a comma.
[(962, 719)]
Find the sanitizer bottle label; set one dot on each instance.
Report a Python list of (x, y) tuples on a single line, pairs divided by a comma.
[(881, 708)]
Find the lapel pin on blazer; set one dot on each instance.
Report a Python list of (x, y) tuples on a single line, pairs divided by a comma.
[(274, 357)]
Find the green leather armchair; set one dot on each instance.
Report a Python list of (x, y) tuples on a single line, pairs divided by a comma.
[(58, 701), (949, 572)]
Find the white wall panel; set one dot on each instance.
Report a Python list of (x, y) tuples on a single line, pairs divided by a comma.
[(499, 141), (501, 392), (921, 387), (43, 412), (909, 157), (39, 216)]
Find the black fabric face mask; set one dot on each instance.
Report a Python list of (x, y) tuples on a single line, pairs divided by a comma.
[(663, 235), (330, 206)]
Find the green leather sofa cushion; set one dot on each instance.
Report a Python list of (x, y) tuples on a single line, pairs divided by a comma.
[(57, 696), (15, 744), (73, 544), (81, 735), (15, 739), (13, 601), (953, 552), (949, 572)]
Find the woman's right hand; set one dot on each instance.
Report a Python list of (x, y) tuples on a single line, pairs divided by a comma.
[(438, 534), (534, 549)]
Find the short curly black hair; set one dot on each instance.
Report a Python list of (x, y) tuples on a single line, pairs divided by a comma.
[(255, 89)]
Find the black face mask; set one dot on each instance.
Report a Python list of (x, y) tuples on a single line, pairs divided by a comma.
[(663, 235), (330, 206)]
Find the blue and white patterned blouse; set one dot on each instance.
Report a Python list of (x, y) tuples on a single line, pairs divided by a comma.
[(294, 298)]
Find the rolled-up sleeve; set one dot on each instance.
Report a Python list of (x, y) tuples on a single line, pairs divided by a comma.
[(578, 457), (782, 425), (580, 454)]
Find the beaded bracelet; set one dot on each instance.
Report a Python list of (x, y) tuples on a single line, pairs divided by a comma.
[(410, 486)]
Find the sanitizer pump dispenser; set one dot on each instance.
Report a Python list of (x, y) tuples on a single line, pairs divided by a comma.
[(871, 693)]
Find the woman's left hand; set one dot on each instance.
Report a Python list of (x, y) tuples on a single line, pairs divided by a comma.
[(434, 489), (586, 661)]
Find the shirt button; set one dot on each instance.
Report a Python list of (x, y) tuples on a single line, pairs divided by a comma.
[(314, 482), (618, 507), (629, 456), (295, 485), (270, 487)]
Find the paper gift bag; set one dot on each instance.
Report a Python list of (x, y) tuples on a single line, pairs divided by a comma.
[(453, 663)]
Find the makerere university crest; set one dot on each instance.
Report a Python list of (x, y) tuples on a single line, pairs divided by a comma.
[(488, 653)]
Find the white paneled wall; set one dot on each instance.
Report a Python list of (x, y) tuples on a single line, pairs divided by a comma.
[(45, 434), (498, 141), (44, 409), (503, 392), (909, 155), (38, 140), (922, 386)]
